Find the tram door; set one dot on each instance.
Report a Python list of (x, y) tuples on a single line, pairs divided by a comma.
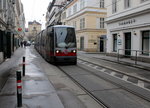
[(128, 44), (81, 43)]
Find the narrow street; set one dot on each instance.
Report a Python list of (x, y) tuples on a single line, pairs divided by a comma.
[(92, 83), (74, 54)]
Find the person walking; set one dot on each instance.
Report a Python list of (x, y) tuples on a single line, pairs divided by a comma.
[(21, 43), (25, 43)]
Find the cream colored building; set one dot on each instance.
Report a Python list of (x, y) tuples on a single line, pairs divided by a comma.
[(33, 29), (128, 24), (88, 17)]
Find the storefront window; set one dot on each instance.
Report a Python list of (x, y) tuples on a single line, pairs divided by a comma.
[(145, 42), (115, 42)]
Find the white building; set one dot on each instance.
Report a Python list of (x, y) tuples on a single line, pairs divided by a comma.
[(53, 14), (128, 24)]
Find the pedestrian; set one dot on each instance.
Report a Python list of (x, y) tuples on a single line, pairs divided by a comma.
[(21, 43), (25, 43)]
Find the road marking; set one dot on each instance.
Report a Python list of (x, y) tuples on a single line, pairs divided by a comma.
[(79, 61), (95, 67), (90, 65), (141, 83), (125, 77), (113, 73), (84, 62), (103, 70)]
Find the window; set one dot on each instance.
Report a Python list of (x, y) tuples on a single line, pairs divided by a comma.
[(115, 42), (114, 6), (127, 3), (82, 4), (69, 12), (64, 15), (101, 22), (4, 4), (101, 3), (1, 2), (75, 8), (65, 37), (34, 28), (82, 23), (75, 24), (145, 42), (1, 41)]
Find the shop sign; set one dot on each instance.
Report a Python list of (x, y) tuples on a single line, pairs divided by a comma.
[(127, 22)]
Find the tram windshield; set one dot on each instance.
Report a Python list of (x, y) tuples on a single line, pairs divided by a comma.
[(65, 37)]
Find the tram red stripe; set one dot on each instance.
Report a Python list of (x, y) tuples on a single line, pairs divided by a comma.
[(68, 54)]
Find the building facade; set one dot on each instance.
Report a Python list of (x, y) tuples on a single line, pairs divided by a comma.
[(8, 27), (33, 29), (128, 28), (88, 17), (54, 10)]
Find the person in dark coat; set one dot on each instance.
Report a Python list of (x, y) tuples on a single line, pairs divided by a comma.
[(25, 43), (21, 43)]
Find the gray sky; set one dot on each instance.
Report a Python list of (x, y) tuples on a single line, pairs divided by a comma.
[(35, 9)]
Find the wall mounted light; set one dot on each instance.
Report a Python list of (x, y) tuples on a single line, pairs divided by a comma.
[(134, 33), (118, 34)]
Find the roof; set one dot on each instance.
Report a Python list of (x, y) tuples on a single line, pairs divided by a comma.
[(30, 23)]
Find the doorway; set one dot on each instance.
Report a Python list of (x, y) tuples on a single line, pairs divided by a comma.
[(128, 44), (101, 44), (81, 43)]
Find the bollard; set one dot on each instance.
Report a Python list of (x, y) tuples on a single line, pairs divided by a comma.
[(19, 89), (23, 66)]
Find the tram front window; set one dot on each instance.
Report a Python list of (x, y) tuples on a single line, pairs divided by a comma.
[(65, 37)]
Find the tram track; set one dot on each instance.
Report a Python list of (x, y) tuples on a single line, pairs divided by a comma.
[(104, 71), (133, 80), (118, 71), (84, 89)]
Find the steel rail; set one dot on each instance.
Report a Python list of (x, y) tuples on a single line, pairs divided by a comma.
[(84, 89), (124, 88), (118, 71)]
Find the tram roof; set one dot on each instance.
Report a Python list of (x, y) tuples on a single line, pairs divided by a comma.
[(63, 26)]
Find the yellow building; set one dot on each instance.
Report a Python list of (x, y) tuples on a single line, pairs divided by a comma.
[(33, 29), (88, 17)]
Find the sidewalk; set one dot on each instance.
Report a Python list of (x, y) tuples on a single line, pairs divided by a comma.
[(37, 90), (126, 61)]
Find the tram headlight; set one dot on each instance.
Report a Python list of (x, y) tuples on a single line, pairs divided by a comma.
[(74, 51), (57, 51)]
